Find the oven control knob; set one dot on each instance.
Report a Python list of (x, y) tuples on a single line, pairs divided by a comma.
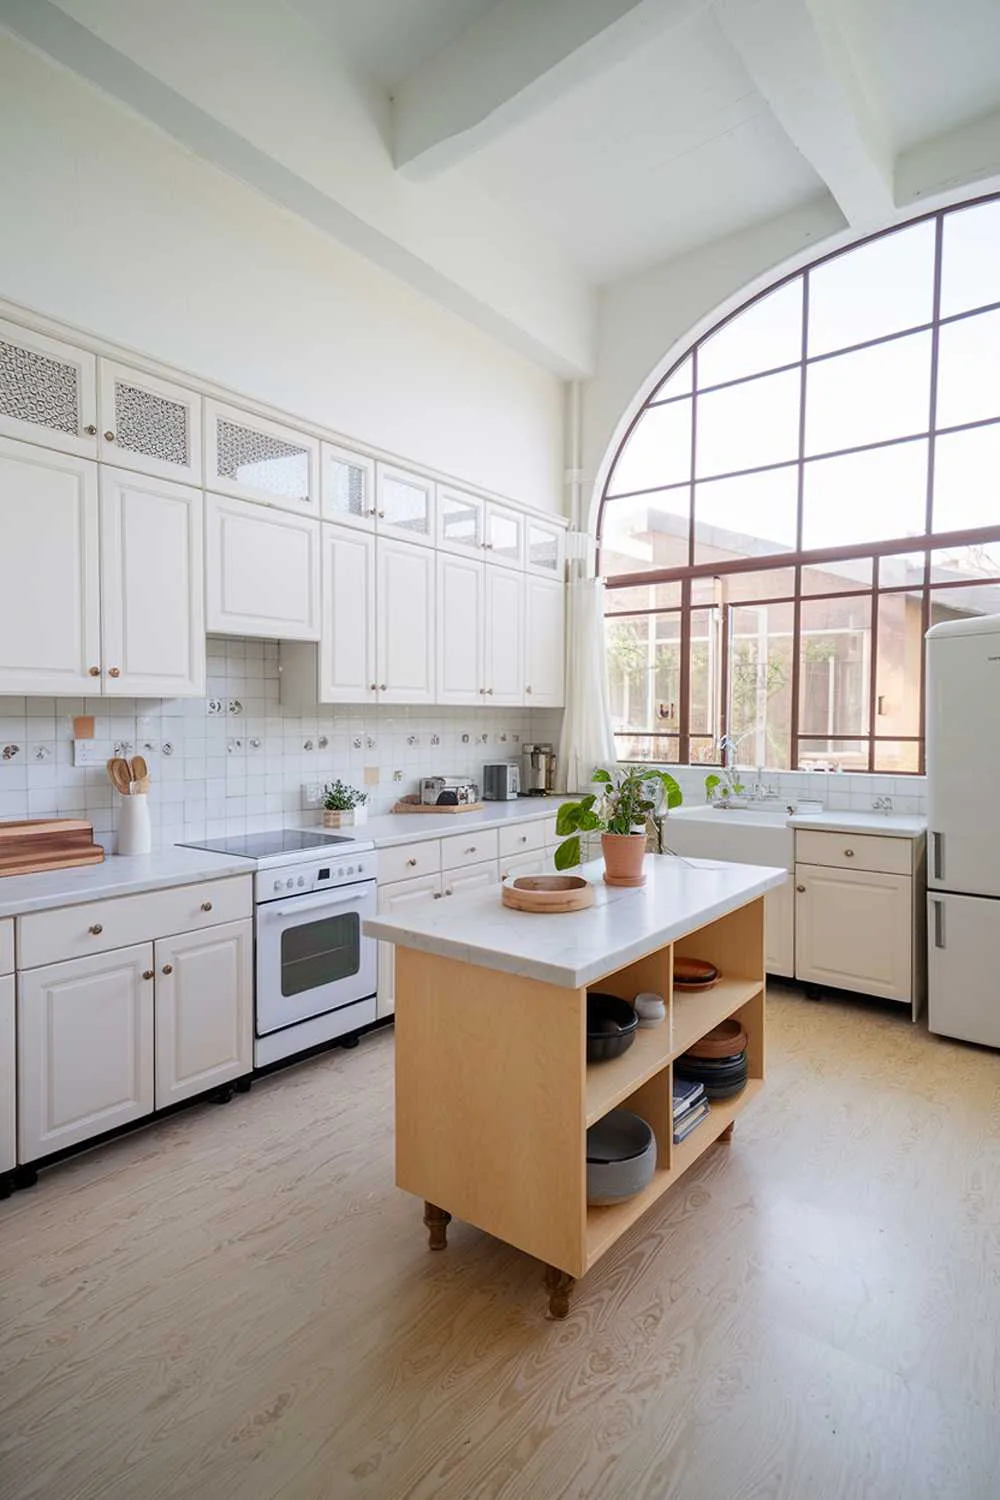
[(277, 885), (302, 880), (341, 871), (350, 869), (289, 885)]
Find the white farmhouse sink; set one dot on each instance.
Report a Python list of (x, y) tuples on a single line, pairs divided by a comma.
[(768, 817), (749, 836)]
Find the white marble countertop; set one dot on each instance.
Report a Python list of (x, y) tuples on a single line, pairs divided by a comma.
[(575, 948), (889, 825), (118, 875), (402, 828)]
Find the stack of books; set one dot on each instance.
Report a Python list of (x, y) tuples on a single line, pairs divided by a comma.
[(690, 1107)]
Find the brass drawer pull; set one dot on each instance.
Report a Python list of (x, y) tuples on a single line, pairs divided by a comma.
[(411, 861), (849, 853), (206, 906), (168, 968), (147, 973), (800, 889), (97, 929)]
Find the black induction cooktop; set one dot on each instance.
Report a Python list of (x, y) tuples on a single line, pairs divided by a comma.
[(278, 841)]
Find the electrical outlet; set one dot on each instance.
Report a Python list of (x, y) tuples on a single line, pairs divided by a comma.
[(312, 794), (85, 753)]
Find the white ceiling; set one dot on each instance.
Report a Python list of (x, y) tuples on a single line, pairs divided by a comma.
[(388, 39), (669, 149)]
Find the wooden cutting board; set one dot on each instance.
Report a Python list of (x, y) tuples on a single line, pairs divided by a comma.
[(32, 845), (451, 807)]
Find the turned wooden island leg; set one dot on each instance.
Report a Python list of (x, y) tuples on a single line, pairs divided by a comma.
[(727, 1134), (437, 1221), (558, 1284)]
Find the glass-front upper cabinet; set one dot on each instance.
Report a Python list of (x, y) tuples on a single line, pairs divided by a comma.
[(347, 486), (255, 459), (544, 548), (148, 424), (503, 539), (48, 391), (405, 503), (460, 522)]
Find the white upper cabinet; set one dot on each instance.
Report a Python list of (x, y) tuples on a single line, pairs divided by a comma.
[(347, 487), (347, 645), (503, 636), (544, 643), (459, 522), (405, 633), (152, 587), (262, 571), (544, 549), (255, 459), (48, 391), (405, 505), (50, 605), (148, 424), (503, 536), (460, 630)]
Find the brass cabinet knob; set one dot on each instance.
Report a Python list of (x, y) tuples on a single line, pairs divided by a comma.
[(449, 893), (490, 691), (206, 906), (94, 671), (168, 968), (114, 671), (438, 895), (381, 515), (524, 838), (109, 437), (471, 849), (373, 687), (800, 888), (849, 853), (90, 430), (147, 973), (97, 929), (381, 687), (527, 690), (411, 861), (482, 690)]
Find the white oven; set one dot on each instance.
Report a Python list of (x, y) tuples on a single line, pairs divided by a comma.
[(312, 956)]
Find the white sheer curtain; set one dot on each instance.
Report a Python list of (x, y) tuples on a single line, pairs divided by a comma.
[(586, 740)]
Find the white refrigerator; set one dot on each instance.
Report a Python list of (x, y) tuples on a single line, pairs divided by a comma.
[(963, 829)]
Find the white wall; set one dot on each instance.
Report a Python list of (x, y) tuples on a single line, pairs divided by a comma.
[(646, 321), (111, 226)]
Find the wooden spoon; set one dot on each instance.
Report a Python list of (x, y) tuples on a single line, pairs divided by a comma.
[(140, 770), (120, 778)]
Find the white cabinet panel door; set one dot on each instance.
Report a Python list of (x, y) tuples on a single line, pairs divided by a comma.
[(149, 425), (402, 896), (405, 505), (853, 930), (152, 583), (544, 549), (50, 607), (779, 930), (347, 664), (460, 522), (460, 610), (347, 487), (504, 536), (255, 459), (48, 391), (545, 643), (262, 571), (204, 1010), (474, 878), (503, 637), (405, 609), (85, 1048), (536, 863), (8, 1091)]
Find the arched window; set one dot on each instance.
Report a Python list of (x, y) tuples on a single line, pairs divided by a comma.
[(813, 484)]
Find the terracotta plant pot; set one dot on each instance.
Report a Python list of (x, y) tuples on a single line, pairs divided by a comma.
[(623, 858)]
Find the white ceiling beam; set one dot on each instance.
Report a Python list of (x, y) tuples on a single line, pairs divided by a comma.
[(943, 163), (796, 54), (517, 58)]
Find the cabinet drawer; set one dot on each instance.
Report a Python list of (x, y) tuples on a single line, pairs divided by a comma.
[(6, 946), (538, 862), (468, 849), (855, 851), (48, 937), (407, 861), (521, 838)]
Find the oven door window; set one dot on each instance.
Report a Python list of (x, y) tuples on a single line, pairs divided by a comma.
[(320, 952)]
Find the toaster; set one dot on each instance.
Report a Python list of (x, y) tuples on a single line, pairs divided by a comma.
[(448, 791), (501, 781)]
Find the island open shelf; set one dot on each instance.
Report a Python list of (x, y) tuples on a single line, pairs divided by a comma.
[(494, 1094)]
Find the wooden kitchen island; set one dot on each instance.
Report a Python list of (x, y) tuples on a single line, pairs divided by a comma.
[(494, 1094)]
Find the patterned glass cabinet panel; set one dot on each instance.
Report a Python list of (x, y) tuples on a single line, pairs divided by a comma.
[(460, 522), (48, 391), (148, 424), (544, 549), (504, 538), (348, 486), (254, 459), (406, 504)]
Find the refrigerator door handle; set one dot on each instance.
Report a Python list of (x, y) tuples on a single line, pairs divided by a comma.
[(938, 922), (937, 842)]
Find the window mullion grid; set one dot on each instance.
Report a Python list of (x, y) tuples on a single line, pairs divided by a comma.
[(873, 662), (925, 602), (793, 748), (684, 725)]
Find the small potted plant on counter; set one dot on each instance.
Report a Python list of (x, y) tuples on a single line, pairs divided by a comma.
[(343, 805), (619, 812)]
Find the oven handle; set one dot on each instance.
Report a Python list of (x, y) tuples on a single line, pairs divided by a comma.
[(300, 905)]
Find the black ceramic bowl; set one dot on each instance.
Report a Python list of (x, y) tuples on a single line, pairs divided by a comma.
[(611, 1026)]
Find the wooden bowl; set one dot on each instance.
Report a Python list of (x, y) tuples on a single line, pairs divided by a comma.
[(695, 974), (728, 1039), (547, 893)]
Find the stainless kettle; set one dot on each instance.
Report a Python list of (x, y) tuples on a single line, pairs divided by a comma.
[(538, 770)]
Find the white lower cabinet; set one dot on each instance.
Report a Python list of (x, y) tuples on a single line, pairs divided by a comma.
[(204, 1026), (400, 896), (853, 930), (779, 930), (8, 1112), (262, 571), (536, 863), (85, 1048), (472, 878)]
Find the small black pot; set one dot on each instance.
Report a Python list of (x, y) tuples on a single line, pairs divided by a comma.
[(611, 1026)]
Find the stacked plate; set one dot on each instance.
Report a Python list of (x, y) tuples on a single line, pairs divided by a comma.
[(718, 1060)]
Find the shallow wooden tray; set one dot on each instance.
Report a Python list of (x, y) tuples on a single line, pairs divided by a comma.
[(423, 807), (547, 893)]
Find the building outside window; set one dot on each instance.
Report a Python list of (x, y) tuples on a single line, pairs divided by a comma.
[(814, 484)]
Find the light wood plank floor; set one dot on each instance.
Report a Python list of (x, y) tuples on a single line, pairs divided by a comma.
[(239, 1303)]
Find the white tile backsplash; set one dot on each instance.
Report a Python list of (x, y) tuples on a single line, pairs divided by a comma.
[(840, 793), (217, 772)]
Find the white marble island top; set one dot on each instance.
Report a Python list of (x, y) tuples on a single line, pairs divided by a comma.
[(575, 948)]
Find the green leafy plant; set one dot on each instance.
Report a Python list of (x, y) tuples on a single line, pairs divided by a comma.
[(724, 786), (622, 806), (339, 797)]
